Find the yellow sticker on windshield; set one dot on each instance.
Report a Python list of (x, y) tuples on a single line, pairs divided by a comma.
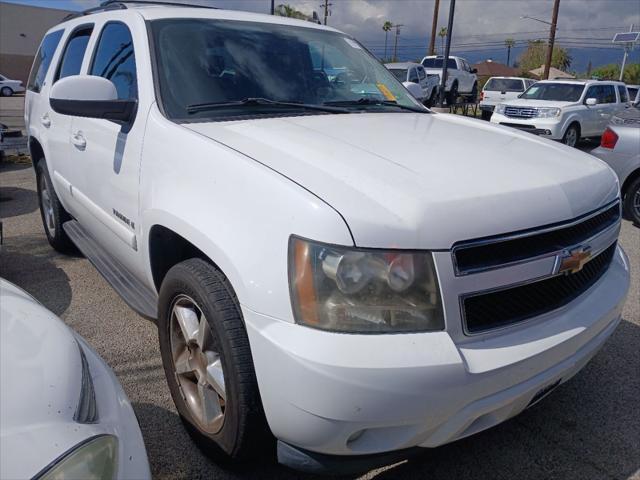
[(385, 91)]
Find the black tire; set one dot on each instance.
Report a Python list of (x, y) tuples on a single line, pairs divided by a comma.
[(572, 136), (52, 212), (452, 96), (433, 98), (486, 114), (6, 92), (244, 434), (473, 97), (631, 202)]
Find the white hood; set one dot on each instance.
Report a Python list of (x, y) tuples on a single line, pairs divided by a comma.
[(521, 102), (424, 181)]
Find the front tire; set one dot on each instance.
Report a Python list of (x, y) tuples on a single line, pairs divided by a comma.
[(52, 212), (6, 92), (208, 363), (631, 202), (572, 136)]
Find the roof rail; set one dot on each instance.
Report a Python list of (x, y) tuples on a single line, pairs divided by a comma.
[(107, 5)]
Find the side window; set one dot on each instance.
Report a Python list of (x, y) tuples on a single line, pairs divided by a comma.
[(622, 90), (421, 74), (42, 60), (413, 76), (608, 94), (73, 53), (114, 59)]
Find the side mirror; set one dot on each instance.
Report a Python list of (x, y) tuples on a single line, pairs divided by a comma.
[(414, 89), (92, 97), (474, 70), (590, 102)]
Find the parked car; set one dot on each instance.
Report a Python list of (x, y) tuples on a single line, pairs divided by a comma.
[(8, 87), (620, 148), (634, 93), (422, 86), (63, 413), (317, 272), (499, 90), (565, 110), (461, 78)]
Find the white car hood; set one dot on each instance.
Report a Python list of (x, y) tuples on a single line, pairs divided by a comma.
[(40, 383), (405, 180), (521, 102)]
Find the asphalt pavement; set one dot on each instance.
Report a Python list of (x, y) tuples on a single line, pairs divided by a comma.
[(589, 428)]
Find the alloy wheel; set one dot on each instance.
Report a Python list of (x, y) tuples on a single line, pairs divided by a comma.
[(47, 207), (571, 137), (197, 364)]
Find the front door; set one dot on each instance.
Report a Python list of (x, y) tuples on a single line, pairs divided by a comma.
[(109, 154)]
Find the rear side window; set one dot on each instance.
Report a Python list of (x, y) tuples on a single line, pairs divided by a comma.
[(74, 53), (622, 90), (114, 59), (42, 60)]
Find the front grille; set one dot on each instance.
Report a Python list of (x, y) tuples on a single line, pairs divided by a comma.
[(500, 308), (520, 112), (493, 252)]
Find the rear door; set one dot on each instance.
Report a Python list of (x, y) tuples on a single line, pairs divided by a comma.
[(609, 106)]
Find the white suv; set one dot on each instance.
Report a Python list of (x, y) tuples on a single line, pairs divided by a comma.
[(318, 273), (461, 78), (565, 110), (499, 90)]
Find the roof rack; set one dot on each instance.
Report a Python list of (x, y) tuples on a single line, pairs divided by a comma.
[(107, 5)]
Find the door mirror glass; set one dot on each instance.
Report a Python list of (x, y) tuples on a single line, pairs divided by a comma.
[(591, 102), (92, 97)]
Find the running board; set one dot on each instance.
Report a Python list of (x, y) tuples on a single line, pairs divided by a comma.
[(137, 295)]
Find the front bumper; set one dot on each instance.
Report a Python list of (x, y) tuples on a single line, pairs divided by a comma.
[(547, 127), (340, 394), (116, 417)]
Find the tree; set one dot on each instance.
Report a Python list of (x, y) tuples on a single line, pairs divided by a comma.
[(612, 72), (442, 34), (386, 26), (509, 43), (535, 56), (288, 11)]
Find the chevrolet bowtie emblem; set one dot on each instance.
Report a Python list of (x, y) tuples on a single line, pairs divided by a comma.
[(573, 261)]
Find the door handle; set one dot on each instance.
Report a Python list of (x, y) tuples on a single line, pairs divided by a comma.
[(78, 140), (45, 120)]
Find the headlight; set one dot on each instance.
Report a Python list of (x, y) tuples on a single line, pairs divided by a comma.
[(358, 290), (499, 108), (548, 112), (94, 460)]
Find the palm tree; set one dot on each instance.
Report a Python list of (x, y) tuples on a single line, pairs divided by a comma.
[(509, 43), (386, 26), (442, 34)]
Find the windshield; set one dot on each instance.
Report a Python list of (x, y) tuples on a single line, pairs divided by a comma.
[(438, 63), (561, 92), (400, 74), (206, 61), (504, 85)]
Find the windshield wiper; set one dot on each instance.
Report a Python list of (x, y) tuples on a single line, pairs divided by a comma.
[(249, 102), (370, 101)]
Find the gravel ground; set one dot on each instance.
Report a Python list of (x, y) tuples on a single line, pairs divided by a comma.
[(587, 429)]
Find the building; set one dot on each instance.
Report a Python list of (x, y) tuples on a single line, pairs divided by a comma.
[(489, 68), (21, 30)]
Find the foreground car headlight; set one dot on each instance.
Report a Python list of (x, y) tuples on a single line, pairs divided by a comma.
[(96, 459), (356, 290), (548, 112), (499, 109)]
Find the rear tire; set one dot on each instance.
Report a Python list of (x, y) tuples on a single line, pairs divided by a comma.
[(452, 96), (631, 202), (52, 212), (6, 92), (431, 101), (473, 97), (226, 385), (572, 136)]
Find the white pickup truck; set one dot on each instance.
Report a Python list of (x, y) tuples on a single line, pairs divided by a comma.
[(321, 279), (461, 78)]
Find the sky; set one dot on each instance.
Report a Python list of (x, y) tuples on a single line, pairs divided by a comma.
[(585, 27)]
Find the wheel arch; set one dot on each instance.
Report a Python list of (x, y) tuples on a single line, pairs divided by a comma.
[(36, 151), (632, 177), (570, 122)]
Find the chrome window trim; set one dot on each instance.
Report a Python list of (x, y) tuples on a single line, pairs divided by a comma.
[(530, 233)]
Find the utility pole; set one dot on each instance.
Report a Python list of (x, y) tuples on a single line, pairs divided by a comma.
[(327, 12), (434, 26), (552, 38), (627, 48), (395, 47), (273, 7), (445, 60)]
